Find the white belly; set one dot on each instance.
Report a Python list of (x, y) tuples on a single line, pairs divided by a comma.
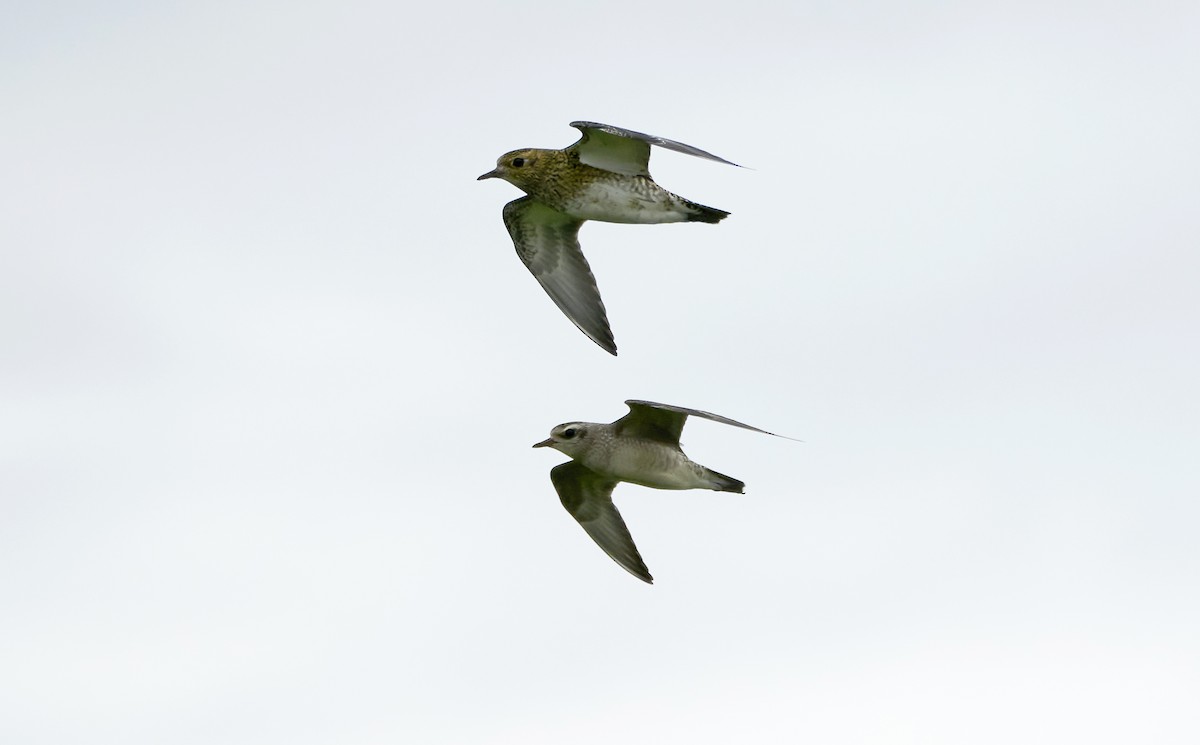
[(655, 466), (627, 201)]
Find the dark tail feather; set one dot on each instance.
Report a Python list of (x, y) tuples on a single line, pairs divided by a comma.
[(721, 482), (700, 213)]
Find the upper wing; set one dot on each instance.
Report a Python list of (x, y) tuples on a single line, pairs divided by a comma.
[(625, 151), (664, 422), (588, 497), (548, 242)]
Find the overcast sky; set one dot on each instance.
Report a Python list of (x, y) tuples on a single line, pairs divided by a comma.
[(270, 371)]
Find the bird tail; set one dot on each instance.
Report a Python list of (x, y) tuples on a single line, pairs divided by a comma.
[(700, 213), (721, 482)]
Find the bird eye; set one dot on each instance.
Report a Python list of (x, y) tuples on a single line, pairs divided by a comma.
[(518, 162), (569, 433)]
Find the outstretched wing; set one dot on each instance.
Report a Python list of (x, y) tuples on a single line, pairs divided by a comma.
[(664, 423), (625, 151), (588, 497), (548, 242)]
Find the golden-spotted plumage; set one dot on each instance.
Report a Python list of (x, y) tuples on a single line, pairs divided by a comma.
[(604, 177)]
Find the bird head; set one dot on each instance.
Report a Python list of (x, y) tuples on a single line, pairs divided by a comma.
[(519, 167), (566, 438)]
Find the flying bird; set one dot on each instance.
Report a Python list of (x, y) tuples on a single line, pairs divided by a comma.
[(642, 448), (602, 177)]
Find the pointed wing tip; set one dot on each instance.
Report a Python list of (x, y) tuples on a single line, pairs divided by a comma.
[(719, 159), (782, 437), (765, 432), (632, 564), (603, 336), (641, 572), (547, 242), (663, 142), (631, 402), (607, 344)]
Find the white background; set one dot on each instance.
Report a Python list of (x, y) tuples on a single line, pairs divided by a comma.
[(270, 371)]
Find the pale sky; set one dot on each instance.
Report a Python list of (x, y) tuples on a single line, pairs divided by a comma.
[(270, 371)]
